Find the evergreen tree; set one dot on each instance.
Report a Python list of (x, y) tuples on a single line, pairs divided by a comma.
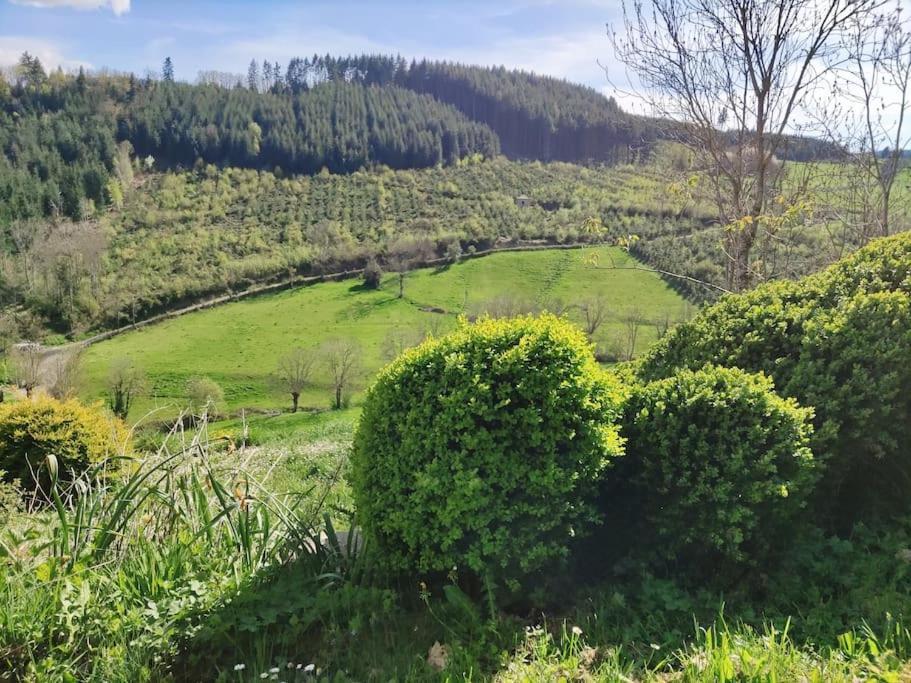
[(30, 71), (167, 70), (253, 76)]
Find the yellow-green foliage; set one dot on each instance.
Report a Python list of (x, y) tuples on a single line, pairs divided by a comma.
[(482, 450), (717, 466), (76, 434)]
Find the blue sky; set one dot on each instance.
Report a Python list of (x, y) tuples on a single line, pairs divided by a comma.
[(564, 38)]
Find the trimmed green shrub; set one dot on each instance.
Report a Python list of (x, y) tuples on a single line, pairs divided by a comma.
[(716, 468), (75, 434), (837, 341), (855, 367), (482, 450)]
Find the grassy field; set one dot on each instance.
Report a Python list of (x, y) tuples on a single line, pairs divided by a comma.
[(239, 344)]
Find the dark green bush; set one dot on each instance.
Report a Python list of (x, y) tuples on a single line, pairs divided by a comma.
[(716, 468), (482, 450), (837, 341), (373, 274), (854, 365)]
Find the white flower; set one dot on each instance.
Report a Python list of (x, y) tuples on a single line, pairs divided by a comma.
[(264, 676), (309, 668), (240, 667), (577, 631), (274, 670)]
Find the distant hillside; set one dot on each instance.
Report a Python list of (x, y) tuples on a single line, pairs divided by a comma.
[(535, 117), (59, 136), (67, 143), (343, 126)]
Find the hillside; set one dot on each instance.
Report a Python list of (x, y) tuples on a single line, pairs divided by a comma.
[(239, 344), (69, 144), (182, 236)]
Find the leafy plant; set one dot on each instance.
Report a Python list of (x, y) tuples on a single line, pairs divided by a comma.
[(716, 470), (837, 341), (481, 450), (54, 439)]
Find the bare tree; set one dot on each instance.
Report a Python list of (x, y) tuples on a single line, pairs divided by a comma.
[(629, 337), (397, 341), (504, 306), (878, 82), (733, 77), (25, 363), (205, 397), (126, 381), (65, 372), (70, 257), (663, 325), (594, 313), (24, 235), (294, 372), (342, 359)]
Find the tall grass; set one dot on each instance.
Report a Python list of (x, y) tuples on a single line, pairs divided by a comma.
[(128, 558)]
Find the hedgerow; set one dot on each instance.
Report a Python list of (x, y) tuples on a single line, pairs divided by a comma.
[(482, 450)]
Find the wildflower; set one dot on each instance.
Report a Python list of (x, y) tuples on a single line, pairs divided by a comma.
[(309, 668), (264, 676), (655, 647), (577, 631), (240, 667), (274, 670)]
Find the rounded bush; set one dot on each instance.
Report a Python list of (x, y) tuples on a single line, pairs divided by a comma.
[(837, 341), (716, 467), (76, 434), (854, 366), (482, 450)]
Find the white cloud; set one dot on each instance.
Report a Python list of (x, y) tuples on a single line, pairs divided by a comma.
[(118, 7), (50, 54)]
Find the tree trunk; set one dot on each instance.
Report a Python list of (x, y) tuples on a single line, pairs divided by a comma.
[(294, 398), (338, 397)]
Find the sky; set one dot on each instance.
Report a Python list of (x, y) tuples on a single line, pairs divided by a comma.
[(563, 38)]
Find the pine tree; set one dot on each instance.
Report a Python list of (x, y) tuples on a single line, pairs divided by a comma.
[(253, 76), (167, 70), (30, 71)]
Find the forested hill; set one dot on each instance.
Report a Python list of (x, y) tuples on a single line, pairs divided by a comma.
[(343, 126), (59, 134), (535, 117), (69, 144)]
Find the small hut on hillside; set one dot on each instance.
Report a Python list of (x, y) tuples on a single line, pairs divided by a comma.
[(523, 201)]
